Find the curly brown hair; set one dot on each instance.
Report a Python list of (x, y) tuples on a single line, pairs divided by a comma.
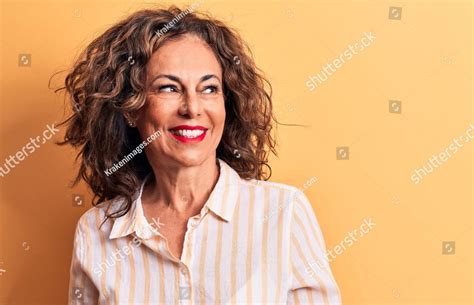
[(104, 86)]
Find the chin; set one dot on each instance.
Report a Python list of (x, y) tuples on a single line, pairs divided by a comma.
[(191, 158)]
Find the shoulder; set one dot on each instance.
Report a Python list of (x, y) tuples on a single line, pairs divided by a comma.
[(288, 196), (254, 183), (292, 192), (92, 219)]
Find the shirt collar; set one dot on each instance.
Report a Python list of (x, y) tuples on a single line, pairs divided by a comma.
[(221, 202)]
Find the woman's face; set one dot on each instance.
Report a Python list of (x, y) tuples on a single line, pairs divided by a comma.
[(185, 102)]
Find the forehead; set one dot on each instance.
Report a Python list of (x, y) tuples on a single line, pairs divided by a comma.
[(186, 57)]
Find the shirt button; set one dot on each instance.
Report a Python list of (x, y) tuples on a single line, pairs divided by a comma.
[(183, 271), (193, 222)]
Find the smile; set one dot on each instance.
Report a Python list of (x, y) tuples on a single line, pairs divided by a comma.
[(186, 134)]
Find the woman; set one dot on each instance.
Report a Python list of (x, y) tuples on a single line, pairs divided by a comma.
[(173, 123)]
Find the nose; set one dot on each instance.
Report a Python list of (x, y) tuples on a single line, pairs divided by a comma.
[(190, 105)]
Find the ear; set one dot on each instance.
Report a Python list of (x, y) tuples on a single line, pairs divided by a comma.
[(130, 118)]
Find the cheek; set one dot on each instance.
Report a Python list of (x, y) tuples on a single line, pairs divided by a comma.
[(220, 124), (151, 123), (154, 114), (218, 115)]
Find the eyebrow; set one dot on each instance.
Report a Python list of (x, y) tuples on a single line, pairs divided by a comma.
[(177, 79)]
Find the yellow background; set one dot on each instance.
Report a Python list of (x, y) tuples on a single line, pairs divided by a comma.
[(423, 60)]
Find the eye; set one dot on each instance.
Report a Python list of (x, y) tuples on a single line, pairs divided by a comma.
[(210, 89), (167, 88)]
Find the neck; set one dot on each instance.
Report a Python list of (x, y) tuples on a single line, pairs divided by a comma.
[(182, 190)]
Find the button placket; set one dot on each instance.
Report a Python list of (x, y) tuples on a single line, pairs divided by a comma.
[(187, 243), (183, 271), (184, 267), (185, 293)]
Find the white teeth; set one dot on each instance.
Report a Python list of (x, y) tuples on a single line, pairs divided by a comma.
[(188, 133)]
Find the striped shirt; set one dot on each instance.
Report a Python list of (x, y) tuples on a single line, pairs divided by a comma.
[(254, 242)]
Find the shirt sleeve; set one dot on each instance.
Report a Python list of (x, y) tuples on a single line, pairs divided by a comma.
[(82, 290), (311, 280)]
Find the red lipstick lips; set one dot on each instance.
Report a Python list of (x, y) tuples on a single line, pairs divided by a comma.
[(188, 134)]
